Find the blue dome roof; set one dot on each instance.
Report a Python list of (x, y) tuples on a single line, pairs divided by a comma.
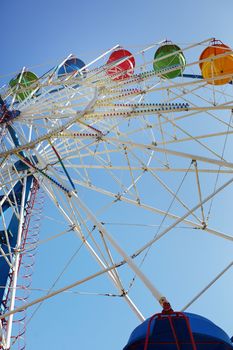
[(204, 331), (71, 65)]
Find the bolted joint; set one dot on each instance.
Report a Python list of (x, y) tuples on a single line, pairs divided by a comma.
[(124, 293), (167, 309), (204, 225)]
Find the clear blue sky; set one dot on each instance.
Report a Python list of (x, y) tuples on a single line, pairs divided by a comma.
[(43, 33)]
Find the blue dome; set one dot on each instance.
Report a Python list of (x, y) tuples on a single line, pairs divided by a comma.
[(70, 66), (206, 334)]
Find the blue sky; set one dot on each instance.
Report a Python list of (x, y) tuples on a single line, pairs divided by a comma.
[(39, 34), (46, 31)]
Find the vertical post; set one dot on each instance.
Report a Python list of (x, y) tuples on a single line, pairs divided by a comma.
[(2, 337), (16, 264)]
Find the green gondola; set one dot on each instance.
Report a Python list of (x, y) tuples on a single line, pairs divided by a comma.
[(175, 58), (21, 85)]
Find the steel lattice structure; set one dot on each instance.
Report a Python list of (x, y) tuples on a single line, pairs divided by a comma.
[(108, 151)]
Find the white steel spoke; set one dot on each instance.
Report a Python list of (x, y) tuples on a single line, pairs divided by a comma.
[(95, 255), (208, 286)]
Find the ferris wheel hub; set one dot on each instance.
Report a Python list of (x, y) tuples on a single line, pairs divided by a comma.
[(7, 115)]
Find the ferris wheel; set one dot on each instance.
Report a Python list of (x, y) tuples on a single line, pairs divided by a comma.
[(132, 151)]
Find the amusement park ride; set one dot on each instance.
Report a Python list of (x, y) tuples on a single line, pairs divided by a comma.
[(122, 128)]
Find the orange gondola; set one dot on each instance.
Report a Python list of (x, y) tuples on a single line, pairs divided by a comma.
[(217, 70)]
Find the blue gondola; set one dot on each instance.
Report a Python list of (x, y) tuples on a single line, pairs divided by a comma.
[(71, 66), (178, 331)]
